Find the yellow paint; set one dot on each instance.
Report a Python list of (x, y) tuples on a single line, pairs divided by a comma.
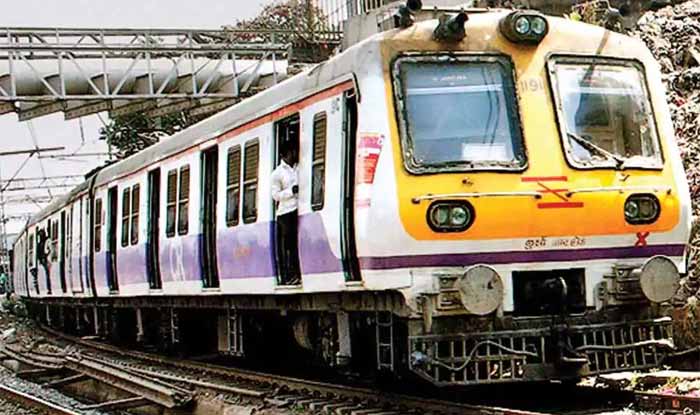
[(519, 217)]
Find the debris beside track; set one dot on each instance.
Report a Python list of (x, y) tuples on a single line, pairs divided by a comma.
[(673, 35), (666, 382)]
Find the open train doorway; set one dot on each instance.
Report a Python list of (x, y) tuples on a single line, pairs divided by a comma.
[(62, 253), (285, 189), (112, 279), (155, 282), (348, 247), (210, 163)]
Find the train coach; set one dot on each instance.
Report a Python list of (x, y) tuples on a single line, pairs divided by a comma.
[(491, 196)]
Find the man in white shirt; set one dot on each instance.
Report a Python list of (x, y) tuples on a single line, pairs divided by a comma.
[(285, 190)]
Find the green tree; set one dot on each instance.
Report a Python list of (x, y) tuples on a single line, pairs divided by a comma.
[(132, 133), (297, 22)]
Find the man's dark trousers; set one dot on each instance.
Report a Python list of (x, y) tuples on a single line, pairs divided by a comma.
[(287, 248)]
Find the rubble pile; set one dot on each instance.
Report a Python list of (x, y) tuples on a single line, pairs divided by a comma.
[(673, 35)]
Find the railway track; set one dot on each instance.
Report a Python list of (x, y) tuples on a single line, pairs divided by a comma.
[(34, 402), (282, 390), (290, 391)]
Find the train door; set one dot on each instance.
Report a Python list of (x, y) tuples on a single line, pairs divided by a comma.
[(287, 134), (112, 278), (348, 247), (76, 247), (155, 281), (91, 219), (210, 166), (62, 253)]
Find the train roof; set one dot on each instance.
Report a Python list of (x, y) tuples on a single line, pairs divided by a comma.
[(336, 70), (339, 68)]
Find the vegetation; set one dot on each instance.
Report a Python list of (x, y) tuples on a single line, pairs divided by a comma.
[(135, 132), (300, 21)]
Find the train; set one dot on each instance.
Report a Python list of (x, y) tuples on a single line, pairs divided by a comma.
[(484, 196)]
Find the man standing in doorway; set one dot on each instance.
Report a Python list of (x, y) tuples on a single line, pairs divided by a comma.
[(3, 282), (285, 190)]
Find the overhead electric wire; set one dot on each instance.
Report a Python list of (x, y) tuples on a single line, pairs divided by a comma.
[(32, 133)]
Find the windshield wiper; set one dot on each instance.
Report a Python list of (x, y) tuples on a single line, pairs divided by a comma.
[(619, 161)]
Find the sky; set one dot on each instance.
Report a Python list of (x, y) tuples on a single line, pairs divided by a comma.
[(53, 130)]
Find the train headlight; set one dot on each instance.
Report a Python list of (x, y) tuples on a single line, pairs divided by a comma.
[(631, 210), (481, 290), (539, 25), (524, 26), (450, 216), (642, 209), (659, 279), (459, 215)]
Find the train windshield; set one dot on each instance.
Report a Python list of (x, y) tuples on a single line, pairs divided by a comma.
[(606, 115), (458, 114)]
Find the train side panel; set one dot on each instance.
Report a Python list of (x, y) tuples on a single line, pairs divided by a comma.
[(245, 252), (320, 220), (131, 236), (179, 248)]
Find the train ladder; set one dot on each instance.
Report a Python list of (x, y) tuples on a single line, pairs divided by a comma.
[(174, 327), (235, 333), (385, 340)]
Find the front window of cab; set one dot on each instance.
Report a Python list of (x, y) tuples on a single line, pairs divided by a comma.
[(605, 114), (458, 113)]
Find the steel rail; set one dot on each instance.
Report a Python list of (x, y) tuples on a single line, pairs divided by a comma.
[(43, 362), (34, 401), (303, 387), (155, 391), (149, 388)]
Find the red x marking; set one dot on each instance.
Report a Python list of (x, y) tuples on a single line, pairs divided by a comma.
[(641, 239), (564, 203), (555, 192)]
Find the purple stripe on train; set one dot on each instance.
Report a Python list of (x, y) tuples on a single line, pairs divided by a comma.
[(519, 257), (131, 263), (179, 259), (247, 251), (243, 252)]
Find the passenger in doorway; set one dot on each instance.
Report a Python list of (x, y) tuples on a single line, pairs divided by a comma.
[(42, 254), (3, 282), (285, 190)]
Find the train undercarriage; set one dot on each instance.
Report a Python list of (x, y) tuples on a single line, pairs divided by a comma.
[(372, 334)]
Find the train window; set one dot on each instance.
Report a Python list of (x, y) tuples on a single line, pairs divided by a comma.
[(250, 181), (233, 183), (318, 164), (31, 250), (183, 201), (126, 215), (54, 240), (135, 200), (482, 128), (97, 217), (605, 113), (171, 204)]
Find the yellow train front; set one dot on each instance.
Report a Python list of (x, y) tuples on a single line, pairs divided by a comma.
[(543, 210)]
